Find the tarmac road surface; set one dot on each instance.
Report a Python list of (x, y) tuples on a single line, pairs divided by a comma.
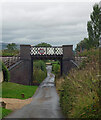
[(45, 102)]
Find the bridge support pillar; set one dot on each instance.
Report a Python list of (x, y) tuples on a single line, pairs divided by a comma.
[(67, 56), (25, 56)]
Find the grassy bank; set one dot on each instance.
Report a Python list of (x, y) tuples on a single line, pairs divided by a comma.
[(13, 90), (4, 112), (79, 91)]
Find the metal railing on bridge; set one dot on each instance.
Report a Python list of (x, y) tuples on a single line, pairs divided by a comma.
[(48, 51), (9, 61)]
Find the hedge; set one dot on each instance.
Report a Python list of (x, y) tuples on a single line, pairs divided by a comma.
[(6, 74)]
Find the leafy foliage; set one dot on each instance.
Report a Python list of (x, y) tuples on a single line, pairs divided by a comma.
[(43, 45), (94, 31), (56, 68), (82, 45), (39, 72), (6, 74), (11, 46), (40, 65)]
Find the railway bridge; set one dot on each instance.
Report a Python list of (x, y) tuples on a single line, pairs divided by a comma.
[(22, 71)]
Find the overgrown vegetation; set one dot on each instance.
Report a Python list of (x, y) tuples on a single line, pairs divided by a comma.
[(79, 91), (39, 72), (87, 53), (13, 90), (4, 112), (56, 68), (6, 74)]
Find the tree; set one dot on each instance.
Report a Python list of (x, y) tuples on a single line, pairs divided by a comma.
[(93, 27), (12, 47), (84, 44), (90, 34), (43, 45), (94, 30)]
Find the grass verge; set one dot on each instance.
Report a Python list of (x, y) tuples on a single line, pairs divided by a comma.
[(4, 112), (13, 90)]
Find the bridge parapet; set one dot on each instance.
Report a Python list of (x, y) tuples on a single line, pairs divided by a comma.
[(48, 51), (9, 61)]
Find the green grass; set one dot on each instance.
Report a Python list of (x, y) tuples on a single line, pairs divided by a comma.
[(4, 112), (13, 90)]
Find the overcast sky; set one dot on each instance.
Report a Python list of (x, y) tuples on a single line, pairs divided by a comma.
[(57, 23)]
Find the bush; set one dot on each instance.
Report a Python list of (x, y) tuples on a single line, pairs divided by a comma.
[(56, 68), (88, 53), (39, 72), (38, 76), (40, 65), (6, 74)]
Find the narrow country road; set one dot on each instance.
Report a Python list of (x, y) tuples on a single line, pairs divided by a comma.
[(45, 102)]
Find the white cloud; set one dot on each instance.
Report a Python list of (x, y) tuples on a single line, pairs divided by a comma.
[(50, 0), (55, 23)]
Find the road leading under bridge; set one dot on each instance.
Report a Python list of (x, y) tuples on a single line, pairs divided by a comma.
[(45, 102)]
